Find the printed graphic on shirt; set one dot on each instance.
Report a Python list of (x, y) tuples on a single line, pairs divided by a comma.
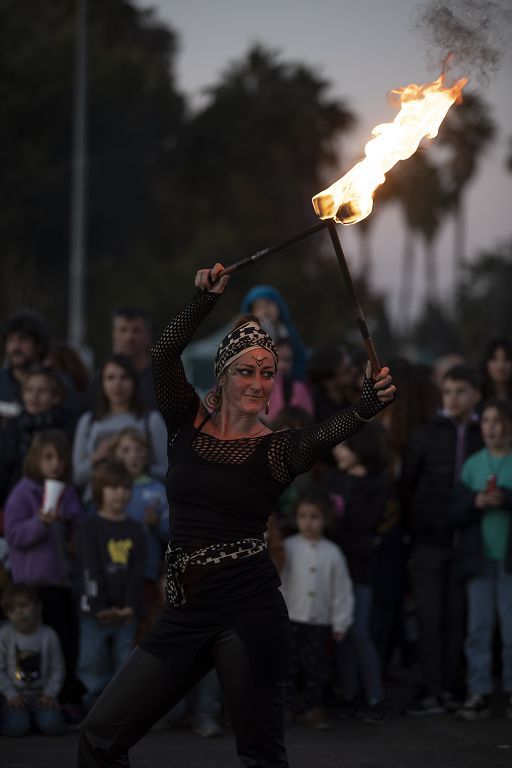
[(28, 668), (119, 551)]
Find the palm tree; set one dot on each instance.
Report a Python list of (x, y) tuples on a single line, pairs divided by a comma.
[(416, 185), (466, 131)]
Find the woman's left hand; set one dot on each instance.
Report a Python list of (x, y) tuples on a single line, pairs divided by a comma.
[(384, 387), (209, 280)]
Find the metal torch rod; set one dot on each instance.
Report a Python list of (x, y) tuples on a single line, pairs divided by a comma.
[(273, 248), (360, 318)]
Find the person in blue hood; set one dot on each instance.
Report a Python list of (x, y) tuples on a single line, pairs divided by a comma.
[(270, 308)]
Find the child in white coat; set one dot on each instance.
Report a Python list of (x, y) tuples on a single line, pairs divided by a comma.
[(318, 592)]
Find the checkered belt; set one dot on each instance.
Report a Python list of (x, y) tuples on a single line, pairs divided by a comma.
[(177, 559)]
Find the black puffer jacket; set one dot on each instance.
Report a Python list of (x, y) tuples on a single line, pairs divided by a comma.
[(428, 478), (466, 518), (365, 500)]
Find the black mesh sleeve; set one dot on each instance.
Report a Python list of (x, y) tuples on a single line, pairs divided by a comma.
[(174, 394), (296, 451)]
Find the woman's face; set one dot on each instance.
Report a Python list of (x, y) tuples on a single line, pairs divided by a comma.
[(117, 385), (248, 383), (38, 394), (51, 465), (499, 367)]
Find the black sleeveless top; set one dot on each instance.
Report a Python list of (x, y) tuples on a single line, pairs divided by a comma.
[(225, 490)]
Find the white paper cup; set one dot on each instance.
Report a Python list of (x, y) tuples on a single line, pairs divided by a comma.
[(53, 490)]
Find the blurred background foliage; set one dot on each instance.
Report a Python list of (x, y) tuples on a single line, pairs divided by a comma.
[(171, 189)]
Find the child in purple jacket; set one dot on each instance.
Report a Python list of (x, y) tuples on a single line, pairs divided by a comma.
[(41, 543)]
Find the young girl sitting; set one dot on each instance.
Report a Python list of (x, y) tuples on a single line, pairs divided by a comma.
[(482, 513), (318, 593), (31, 667), (41, 542)]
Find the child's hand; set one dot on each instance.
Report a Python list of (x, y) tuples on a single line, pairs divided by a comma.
[(105, 616), (47, 517), (495, 498), (125, 614), (47, 702), (102, 450), (151, 515), (16, 702), (488, 499), (338, 636)]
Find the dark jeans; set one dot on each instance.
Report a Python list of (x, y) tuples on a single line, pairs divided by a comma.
[(308, 669), (441, 609), (145, 689), (357, 654)]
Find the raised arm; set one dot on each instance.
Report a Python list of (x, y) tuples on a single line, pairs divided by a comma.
[(175, 395), (295, 452)]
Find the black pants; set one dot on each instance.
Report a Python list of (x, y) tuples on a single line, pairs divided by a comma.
[(441, 608), (308, 668), (145, 689)]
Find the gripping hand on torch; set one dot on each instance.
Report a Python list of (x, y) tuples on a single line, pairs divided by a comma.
[(208, 279), (377, 393)]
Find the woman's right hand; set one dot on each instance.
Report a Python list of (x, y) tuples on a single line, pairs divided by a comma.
[(208, 279)]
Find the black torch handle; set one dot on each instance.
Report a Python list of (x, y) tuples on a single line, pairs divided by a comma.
[(358, 311), (273, 248)]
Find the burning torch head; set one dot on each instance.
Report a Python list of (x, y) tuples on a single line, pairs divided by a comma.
[(422, 109), (347, 213)]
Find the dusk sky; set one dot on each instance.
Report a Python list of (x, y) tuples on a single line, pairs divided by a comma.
[(364, 49)]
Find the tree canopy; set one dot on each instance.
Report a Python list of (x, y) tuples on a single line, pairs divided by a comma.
[(171, 189)]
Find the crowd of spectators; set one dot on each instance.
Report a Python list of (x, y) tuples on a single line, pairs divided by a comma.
[(394, 551)]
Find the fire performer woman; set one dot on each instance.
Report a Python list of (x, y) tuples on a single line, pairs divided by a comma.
[(224, 609)]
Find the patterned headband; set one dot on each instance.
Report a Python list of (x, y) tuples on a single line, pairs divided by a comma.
[(247, 336)]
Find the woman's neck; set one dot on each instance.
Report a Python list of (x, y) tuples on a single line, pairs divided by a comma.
[(233, 425)]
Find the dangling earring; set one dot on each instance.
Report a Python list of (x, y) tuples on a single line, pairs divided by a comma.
[(213, 399), (267, 407)]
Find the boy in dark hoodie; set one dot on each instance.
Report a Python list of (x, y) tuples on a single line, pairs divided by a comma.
[(432, 464)]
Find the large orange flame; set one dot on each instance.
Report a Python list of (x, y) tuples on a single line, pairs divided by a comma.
[(423, 109)]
